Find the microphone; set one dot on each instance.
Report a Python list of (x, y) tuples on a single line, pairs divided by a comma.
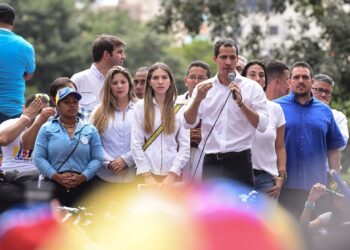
[(334, 192), (231, 77)]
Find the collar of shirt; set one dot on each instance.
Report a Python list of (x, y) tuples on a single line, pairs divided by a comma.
[(130, 105), (292, 97), (98, 74), (6, 30)]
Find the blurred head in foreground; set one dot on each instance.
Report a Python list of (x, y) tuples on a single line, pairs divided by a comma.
[(195, 218)]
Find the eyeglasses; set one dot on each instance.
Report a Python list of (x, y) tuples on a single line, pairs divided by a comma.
[(44, 97), (198, 78), (320, 91), (142, 82)]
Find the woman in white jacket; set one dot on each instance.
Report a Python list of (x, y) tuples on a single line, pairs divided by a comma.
[(160, 144)]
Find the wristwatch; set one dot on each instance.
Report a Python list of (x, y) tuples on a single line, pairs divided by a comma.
[(283, 174)]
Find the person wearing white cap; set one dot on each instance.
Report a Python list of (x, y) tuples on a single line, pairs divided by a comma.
[(67, 150)]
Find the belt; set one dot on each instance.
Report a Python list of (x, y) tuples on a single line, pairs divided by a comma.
[(258, 171), (221, 156)]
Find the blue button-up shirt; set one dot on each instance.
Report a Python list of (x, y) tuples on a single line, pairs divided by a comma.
[(310, 133), (53, 145)]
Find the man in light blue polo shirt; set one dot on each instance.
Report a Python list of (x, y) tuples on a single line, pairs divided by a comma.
[(312, 138), (17, 65)]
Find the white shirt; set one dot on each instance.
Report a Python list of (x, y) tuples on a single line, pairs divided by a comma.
[(232, 132), (89, 83), (342, 123), (14, 156), (167, 152), (192, 172), (116, 143), (263, 151)]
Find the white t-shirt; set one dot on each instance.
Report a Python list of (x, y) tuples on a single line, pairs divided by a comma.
[(263, 150), (14, 157)]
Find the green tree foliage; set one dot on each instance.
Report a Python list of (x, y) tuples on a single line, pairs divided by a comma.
[(184, 55), (62, 35)]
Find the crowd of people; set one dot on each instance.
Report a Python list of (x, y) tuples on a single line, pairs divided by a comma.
[(266, 126)]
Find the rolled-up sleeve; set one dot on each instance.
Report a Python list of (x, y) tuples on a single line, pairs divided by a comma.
[(184, 122), (259, 105)]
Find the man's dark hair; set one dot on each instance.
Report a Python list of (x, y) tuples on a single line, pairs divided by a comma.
[(200, 64), (302, 64), (60, 83), (226, 42), (7, 14), (105, 43), (275, 69)]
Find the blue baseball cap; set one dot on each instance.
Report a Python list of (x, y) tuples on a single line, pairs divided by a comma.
[(63, 93)]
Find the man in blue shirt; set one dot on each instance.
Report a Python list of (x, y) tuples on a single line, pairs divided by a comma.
[(17, 65), (311, 137)]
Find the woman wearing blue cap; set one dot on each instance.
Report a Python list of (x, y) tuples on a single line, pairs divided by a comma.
[(68, 151)]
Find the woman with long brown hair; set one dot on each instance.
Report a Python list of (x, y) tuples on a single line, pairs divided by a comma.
[(113, 118), (160, 144)]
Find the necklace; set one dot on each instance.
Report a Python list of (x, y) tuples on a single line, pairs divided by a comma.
[(70, 128)]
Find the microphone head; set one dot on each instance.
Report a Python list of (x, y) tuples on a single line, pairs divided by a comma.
[(231, 76)]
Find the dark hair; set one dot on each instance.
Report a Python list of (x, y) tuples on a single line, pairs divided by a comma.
[(7, 14), (302, 64), (255, 62), (60, 83), (226, 42), (200, 64), (324, 78), (275, 69), (31, 98), (105, 43)]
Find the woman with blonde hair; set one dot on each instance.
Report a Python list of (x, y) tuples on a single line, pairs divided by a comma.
[(113, 118), (159, 143)]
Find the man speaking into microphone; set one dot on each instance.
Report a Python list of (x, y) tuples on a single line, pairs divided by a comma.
[(232, 108)]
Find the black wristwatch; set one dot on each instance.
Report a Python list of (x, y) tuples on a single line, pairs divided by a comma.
[(283, 174)]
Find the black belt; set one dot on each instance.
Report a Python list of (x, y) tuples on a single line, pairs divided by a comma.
[(258, 171), (221, 156)]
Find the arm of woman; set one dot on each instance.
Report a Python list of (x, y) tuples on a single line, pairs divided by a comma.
[(40, 156), (137, 140), (96, 155), (280, 149), (183, 154)]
